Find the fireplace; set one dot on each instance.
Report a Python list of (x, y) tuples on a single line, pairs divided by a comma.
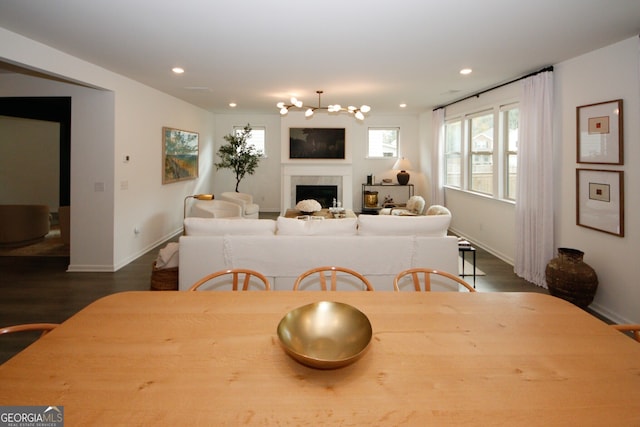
[(338, 176), (323, 194)]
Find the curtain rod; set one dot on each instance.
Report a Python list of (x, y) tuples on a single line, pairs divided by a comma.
[(477, 95)]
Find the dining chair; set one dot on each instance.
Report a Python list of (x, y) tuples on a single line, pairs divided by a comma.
[(43, 327), (235, 275), (333, 273), (634, 329), (426, 273)]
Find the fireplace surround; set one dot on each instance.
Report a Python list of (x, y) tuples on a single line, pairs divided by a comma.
[(316, 175)]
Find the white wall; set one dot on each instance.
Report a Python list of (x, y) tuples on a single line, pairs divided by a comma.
[(112, 116), (36, 144), (265, 184), (602, 75), (356, 147)]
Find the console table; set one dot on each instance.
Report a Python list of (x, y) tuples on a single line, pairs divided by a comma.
[(396, 190)]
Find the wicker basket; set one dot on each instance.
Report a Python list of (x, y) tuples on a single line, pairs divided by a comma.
[(164, 279)]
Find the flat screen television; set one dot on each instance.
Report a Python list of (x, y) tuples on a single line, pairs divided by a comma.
[(316, 143)]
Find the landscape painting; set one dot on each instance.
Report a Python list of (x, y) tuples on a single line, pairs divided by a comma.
[(179, 155), (316, 143)]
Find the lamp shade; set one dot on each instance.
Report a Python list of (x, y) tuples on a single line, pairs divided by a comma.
[(402, 164)]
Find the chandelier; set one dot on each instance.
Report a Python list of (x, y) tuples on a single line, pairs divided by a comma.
[(358, 112)]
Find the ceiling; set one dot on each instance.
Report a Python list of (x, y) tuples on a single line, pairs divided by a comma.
[(381, 53)]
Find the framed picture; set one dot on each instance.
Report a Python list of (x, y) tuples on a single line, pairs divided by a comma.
[(179, 155), (316, 143), (600, 200), (600, 133)]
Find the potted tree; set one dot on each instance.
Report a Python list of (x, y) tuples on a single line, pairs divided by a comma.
[(237, 155)]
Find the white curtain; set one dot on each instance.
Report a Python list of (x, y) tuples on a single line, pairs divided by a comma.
[(534, 206), (437, 158)]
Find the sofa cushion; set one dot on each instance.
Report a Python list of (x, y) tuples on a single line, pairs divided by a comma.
[(438, 210), (327, 227), (391, 225), (229, 226)]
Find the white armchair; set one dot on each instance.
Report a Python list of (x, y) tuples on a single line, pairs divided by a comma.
[(414, 206), (245, 201), (215, 209)]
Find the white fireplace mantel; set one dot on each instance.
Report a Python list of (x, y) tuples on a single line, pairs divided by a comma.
[(342, 171)]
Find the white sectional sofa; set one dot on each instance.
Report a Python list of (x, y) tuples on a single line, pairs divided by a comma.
[(377, 246)]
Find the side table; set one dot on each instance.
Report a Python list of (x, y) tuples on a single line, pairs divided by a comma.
[(463, 249)]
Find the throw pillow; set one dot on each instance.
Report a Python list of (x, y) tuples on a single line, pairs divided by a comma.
[(391, 225), (327, 227)]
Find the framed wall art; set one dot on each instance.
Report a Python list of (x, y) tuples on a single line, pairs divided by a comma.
[(600, 200), (599, 129), (179, 155), (316, 143)]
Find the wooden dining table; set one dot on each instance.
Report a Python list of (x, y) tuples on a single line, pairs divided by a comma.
[(435, 358)]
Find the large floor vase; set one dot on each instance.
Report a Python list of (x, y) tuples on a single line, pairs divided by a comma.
[(570, 278)]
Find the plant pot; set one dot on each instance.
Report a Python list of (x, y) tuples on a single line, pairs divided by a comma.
[(570, 278)]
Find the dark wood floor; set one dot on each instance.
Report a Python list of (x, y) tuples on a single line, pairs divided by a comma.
[(37, 289)]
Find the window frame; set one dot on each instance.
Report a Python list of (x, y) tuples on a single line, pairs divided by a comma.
[(237, 129), (461, 178), (504, 127), (489, 153), (500, 154), (381, 128)]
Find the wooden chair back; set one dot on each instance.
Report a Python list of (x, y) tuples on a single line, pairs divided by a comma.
[(332, 271), (633, 329), (235, 275), (425, 273), (44, 327)]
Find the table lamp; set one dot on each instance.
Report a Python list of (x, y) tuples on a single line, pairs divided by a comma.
[(403, 176)]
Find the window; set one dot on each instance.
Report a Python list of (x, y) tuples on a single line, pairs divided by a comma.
[(257, 138), (481, 153), (383, 142), (511, 122), (453, 153)]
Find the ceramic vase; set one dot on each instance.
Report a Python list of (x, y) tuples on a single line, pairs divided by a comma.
[(570, 278)]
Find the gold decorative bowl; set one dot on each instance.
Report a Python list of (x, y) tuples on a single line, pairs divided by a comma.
[(325, 334)]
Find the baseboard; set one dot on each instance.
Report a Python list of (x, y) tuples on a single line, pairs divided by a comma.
[(489, 249), (608, 314), (97, 268)]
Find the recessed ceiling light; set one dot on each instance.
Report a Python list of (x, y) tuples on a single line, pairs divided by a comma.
[(403, 105), (177, 70), (466, 71), (233, 105)]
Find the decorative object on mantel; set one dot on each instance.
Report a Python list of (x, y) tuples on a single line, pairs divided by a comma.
[(358, 112), (308, 206), (570, 278), (238, 155), (403, 176)]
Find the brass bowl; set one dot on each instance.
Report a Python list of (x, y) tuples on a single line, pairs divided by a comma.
[(325, 334)]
